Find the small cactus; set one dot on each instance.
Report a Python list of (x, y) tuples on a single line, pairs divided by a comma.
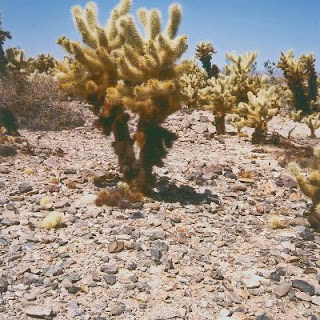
[(259, 110), (310, 186), (313, 123)]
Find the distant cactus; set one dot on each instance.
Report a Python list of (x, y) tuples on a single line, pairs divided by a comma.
[(301, 77), (4, 35), (204, 52), (313, 123), (43, 63), (192, 83), (259, 110), (240, 67), (16, 60), (218, 98), (117, 69), (310, 186)]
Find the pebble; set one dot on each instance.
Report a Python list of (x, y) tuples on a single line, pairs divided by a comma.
[(282, 289), (39, 311), (110, 279), (303, 286), (115, 246), (118, 310)]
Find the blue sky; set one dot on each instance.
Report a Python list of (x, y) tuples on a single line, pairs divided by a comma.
[(267, 26)]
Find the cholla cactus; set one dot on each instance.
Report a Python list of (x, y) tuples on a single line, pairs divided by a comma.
[(312, 121), (16, 60), (296, 115), (117, 69), (310, 186), (192, 83), (204, 52), (218, 98), (4, 35), (240, 67), (301, 77), (259, 110), (44, 63)]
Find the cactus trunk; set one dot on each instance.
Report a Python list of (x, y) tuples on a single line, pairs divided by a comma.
[(220, 124), (258, 136)]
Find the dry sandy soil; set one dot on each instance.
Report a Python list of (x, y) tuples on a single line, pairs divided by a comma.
[(203, 249)]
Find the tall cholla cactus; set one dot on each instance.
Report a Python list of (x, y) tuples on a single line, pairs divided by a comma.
[(301, 77), (16, 60), (4, 35), (204, 52), (117, 69), (310, 186), (192, 83), (240, 68), (259, 110), (217, 97), (313, 123)]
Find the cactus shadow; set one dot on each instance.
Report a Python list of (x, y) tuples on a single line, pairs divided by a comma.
[(184, 194)]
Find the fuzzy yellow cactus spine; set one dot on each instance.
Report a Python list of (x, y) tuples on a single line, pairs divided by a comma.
[(259, 110), (301, 77), (310, 186), (118, 68)]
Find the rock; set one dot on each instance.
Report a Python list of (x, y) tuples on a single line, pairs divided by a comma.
[(118, 310), (239, 316), (109, 268), (316, 300), (307, 234), (282, 290), (7, 151), (4, 170), (262, 317), (39, 311), (251, 281), (286, 181), (303, 286), (25, 187), (303, 296), (115, 246), (110, 279), (3, 284), (74, 277)]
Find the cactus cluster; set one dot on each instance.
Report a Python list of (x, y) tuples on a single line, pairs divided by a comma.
[(16, 60), (118, 69), (310, 186), (258, 111), (43, 63), (302, 80)]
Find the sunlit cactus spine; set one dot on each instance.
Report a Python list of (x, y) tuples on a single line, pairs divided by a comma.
[(205, 51), (302, 80), (118, 69), (258, 111), (310, 186)]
